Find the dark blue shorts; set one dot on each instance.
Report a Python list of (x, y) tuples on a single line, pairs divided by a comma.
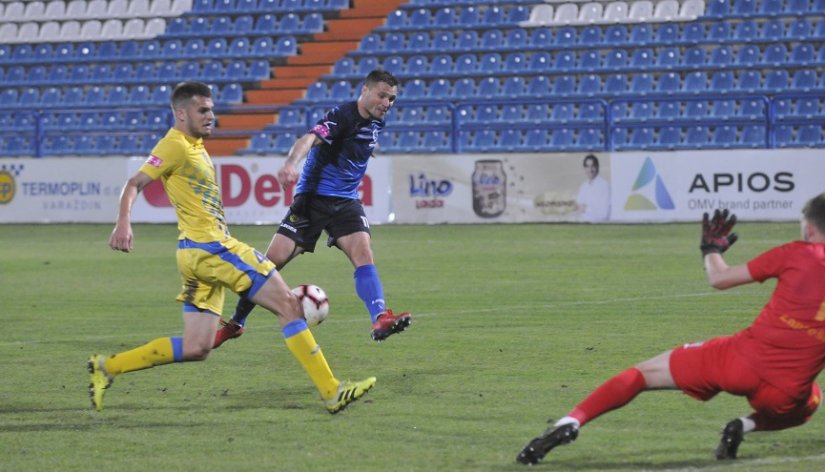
[(310, 214)]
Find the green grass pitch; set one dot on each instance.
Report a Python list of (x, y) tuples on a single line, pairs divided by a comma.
[(513, 324)]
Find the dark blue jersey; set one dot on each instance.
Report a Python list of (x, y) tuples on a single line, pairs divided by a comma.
[(336, 166)]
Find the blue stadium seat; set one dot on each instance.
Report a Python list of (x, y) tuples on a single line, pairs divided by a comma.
[(231, 93), (748, 55), (509, 140), (341, 90), (668, 58), (416, 65), (421, 18), (783, 136), (418, 41), (722, 81), (641, 34), (562, 112), (516, 38), (776, 81), (724, 137), (36, 74), (464, 88), (489, 63), (589, 139), (694, 32), (616, 84), (752, 108), (29, 98), (513, 87), (642, 58), (589, 85), (243, 25), (641, 83), (695, 82), (615, 34), (694, 57), (720, 56), (641, 138), (753, 136), (616, 59), (803, 80), (796, 7), (563, 85), (723, 109), (668, 83), (536, 113), (809, 135), (394, 42), (515, 62), (467, 41), (670, 137), (434, 141), (535, 140), (370, 43), (492, 39), (746, 31), (542, 37), (488, 87), (493, 16), (565, 61), (773, 30), (590, 60), (591, 36), (539, 62), (775, 54), (798, 29), (669, 111), (745, 7), (415, 89), (73, 96), (802, 54), (566, 36), (562, 138), (696, 109), (438, 89), (667, 33), (806, 107), (467, 18), (466, 64), (717, 8)]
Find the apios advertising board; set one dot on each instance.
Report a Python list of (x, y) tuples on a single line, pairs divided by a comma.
[(680, 186)]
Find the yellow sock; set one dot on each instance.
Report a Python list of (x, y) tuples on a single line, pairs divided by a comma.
[(157, 352), (302, 345)]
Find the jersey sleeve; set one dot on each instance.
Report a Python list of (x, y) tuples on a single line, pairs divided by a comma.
[(163, 159), (769, 264), (329, 127)]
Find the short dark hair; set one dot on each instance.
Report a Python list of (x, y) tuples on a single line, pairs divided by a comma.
[(380, 75), (814, 212), (186, 90), (593, 158)]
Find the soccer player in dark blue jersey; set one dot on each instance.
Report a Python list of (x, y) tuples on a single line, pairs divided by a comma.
[(337, 150)]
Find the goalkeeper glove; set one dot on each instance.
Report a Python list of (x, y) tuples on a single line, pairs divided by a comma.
[(716, 235)]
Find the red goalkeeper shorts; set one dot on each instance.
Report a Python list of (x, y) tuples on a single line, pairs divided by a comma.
[(704, 369)]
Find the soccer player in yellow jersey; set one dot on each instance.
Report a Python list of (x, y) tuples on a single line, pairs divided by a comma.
[(209, 261)]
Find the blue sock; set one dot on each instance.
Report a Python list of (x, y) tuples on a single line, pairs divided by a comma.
[(242, 310), (369, 289)]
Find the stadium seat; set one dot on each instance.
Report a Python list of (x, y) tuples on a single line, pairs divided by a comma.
[(589, 85), (695, 82), (803, 80), (806, 107), (776, 81), (667, 33), (798, 29), (723, 109), (809, 135), (717, 8), (563, 85), (668, 83), (515, 63), (509, 140), (616, 84), (464, 88), (802, 54), (415, 89), (488, 87), (641, 11), (590, 60), (617, 12), (438, 89), (642, 58), (641, 34), (753, 136), (513, 87), (540, 15), (724, 137), (668, 58), (752, 108), (591, 12), (773, 30), (616, 59), (566, 14), (565, 61), (745, 7), (796, 7), (616, 34)]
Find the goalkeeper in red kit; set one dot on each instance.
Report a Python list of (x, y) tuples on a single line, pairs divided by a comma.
[(773, 363)]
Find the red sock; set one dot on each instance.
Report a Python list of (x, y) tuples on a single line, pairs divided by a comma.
[(615, 393)]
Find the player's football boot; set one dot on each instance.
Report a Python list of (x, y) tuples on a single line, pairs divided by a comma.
[(388, 324), (101, 380), (228, 330), (552, 437), (347, 393), (732, 436)]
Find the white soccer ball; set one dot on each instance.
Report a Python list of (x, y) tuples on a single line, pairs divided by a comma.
[(315, 303)]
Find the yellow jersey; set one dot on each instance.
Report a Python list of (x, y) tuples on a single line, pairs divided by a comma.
[(188, 177)]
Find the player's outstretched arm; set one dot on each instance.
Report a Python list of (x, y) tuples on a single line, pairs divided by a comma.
[(122, 237), (288, 173), (716, 239)]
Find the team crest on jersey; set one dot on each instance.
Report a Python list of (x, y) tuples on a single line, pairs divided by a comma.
[(154, 161)]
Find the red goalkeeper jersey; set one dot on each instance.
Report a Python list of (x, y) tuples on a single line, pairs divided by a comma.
[(786, 342)]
